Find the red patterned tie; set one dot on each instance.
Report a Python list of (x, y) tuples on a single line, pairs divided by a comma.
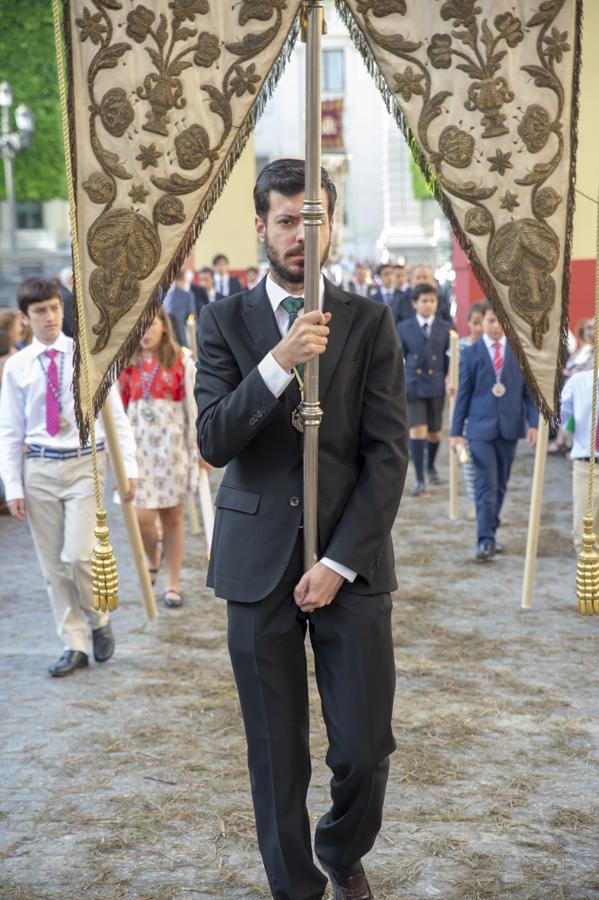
[(52, 388), (498, 358)]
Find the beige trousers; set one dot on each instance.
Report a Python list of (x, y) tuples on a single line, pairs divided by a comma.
[(60, 505), (580, 487)]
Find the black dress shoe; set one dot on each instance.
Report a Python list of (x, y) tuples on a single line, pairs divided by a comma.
[(432, 477), (354, 887), (68, 662), (485, 552), (103, 643), (418, 489)]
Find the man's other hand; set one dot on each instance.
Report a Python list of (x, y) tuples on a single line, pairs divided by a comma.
[(318, 587), (17, 509), (306, 338)]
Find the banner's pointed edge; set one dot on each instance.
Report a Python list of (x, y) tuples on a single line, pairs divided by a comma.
[(551, 414), (123, 356)]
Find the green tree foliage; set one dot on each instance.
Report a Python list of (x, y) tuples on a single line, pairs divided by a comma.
[(28, 63), (419, 185)]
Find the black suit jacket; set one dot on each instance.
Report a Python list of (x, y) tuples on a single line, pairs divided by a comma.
[(234, 286), (68, 322), (362, 444)]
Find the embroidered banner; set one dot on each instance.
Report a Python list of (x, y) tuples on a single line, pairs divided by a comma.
[(486, 91), (163, 96)]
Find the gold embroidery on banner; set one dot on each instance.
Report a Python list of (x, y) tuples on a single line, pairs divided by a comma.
[(123, 243), (522, 253)]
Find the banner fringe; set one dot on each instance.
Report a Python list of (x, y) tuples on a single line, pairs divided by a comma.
[(552, 415)]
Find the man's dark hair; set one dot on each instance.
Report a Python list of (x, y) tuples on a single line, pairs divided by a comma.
[(252, 269), (36, 290), (4, 343), (288, 177), (479, 307), (423, 289), (219, 256), (382, 268), (486, 307), (207, 270)]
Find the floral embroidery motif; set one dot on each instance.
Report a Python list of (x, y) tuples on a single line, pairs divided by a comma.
[(125, 243), (522, 253)]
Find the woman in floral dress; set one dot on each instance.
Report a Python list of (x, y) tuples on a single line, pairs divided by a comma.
[(158, 393)]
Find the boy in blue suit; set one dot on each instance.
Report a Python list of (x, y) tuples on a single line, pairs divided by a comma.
[(494, 399), (425, 341)]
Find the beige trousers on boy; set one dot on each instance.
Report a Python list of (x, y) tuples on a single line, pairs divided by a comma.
[(60, 505), (580, 487)]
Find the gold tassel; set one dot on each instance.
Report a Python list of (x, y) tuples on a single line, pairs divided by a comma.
[(104, 574), (304, 22), (587, 572)]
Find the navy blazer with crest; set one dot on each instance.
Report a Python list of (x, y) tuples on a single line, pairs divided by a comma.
[(362, 444), (427, 361), (490, 417)]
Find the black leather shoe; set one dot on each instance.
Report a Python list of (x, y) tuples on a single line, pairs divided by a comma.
[(103, 643), (498, 547), (354, 887), (485, 552), (68, 662), (432, 477), (418, 489)]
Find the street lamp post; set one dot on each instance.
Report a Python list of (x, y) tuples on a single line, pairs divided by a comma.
[(11, 143)]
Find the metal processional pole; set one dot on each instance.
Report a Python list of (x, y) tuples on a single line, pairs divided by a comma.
[(313, 212)]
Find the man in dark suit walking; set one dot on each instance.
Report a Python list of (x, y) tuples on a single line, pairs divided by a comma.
[(225, 283), (252, 350), (493, 398)]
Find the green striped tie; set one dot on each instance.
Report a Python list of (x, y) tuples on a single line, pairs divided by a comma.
[(292, 306)]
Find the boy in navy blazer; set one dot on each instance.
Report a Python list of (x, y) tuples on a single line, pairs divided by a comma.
[(493, 397), (425, 341)]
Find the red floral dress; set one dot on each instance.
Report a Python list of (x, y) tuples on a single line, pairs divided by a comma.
[(161, 408)]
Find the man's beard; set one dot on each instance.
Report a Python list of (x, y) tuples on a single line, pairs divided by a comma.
[(285, 275)]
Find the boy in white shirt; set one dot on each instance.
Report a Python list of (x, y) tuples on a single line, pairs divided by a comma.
[(48, 478)]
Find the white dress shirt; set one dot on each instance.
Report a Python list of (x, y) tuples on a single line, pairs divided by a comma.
[(277, 379), (221, 283), (23, 412), (490, 345), (422, 322), (577, 400)]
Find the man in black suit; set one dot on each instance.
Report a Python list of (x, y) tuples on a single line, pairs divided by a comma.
[(224, 283), (252, 350), (360, 284), (386, 287)]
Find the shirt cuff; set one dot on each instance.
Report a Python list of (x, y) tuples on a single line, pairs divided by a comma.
[(13, 490), (275, 378), (346, 573)]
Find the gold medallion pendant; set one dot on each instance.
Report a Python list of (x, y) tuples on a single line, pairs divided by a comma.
[(498, 389), (297, 421)]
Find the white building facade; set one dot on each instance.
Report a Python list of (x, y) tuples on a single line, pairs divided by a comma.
[(381, 219)]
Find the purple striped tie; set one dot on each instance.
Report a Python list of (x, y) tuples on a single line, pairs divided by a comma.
[(52, 405)]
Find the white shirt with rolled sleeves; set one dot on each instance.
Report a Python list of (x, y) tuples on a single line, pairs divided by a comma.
[(23, 413), (277, 379)]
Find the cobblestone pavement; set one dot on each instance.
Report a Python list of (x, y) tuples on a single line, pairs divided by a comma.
[(129, 780)]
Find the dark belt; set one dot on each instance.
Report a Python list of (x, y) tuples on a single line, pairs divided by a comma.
[(35, 451), (586, 459)]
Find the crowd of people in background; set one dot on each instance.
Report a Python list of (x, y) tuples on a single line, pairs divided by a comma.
[(423, 308)]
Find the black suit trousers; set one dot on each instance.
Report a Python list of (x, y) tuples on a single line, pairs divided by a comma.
[(355, 672)]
